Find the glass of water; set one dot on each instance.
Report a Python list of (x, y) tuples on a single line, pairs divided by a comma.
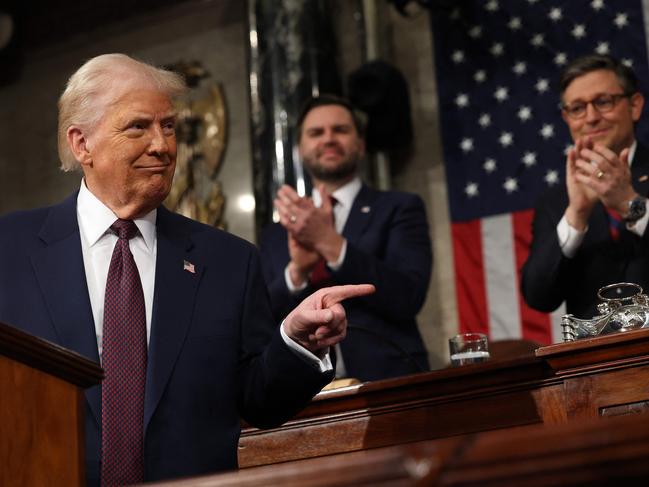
[(468, 348)]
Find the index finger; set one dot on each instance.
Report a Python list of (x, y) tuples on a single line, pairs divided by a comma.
[(288, 193), (336, 294)]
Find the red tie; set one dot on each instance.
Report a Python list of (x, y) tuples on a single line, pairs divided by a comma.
[(321, 276), (614, 223), (124, 351)]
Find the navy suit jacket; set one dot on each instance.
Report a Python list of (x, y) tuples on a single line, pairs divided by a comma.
[(388, 245), (549, 277), (215, 353)]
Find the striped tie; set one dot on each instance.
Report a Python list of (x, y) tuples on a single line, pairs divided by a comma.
[(614, 224)]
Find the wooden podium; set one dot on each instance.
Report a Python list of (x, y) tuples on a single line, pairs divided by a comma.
[(42, 410)]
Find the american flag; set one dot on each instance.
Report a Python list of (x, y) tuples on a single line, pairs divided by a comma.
[(189, 267), (497, 65)]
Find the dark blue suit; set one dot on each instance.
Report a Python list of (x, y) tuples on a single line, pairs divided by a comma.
[(215, 352), (549, 277), (388, 245)]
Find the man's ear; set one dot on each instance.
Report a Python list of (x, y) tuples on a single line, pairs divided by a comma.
[(361, 147), (637, 102), (78, 144)]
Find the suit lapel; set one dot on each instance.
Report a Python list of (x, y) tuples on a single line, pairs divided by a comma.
[(360, 214), (61, 276), (173, 305)]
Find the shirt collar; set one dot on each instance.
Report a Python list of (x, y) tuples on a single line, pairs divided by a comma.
[(95, 218), (632, 149), (344, 195)]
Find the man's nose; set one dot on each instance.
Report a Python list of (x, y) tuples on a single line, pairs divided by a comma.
[(158, 144), (592, 115), (329, 136)]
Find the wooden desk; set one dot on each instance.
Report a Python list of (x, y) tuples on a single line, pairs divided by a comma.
[(597, 377), (591, 452)]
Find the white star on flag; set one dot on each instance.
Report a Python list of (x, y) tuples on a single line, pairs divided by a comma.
[(457, 57), (501, 94), (485, 120), (497, 49), (578, 31), (471, 189), (520, 68), (529, 159), (506, 139), (462, 100), (510, 185), (491, 6), (555, 14), (621, 20), (480, 76), (515, 23), (537, 40), (552, 177), (627, 62), (597, 4), (542, 85), (560, 59), (547, 131), (466, 145), (602, 48), (475, 32), (489, 165), (524, 113)]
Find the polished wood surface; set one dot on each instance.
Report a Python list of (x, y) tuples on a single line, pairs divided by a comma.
[(41, 406), (603, 376), (608, 452)]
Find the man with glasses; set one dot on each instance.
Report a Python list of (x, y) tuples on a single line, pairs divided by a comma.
[(592, 232)]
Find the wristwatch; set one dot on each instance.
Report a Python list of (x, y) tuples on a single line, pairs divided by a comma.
[(637, 209)]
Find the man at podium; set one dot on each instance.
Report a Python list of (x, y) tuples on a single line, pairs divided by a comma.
[(176, 312)]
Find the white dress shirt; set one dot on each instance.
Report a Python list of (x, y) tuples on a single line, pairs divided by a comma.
[(570, 238)]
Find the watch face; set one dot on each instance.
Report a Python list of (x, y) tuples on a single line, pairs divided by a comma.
[(637, 209)]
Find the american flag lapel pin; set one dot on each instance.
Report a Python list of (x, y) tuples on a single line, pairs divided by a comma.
[(189, 267)]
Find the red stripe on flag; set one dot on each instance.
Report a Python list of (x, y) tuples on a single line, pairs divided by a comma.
[(534, 324), (470, 288)]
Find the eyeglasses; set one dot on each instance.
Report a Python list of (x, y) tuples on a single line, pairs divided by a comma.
[(603, 104)]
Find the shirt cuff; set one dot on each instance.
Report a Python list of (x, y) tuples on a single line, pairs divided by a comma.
[(334, 266), (570, 238), (293, 289), (324, 364)]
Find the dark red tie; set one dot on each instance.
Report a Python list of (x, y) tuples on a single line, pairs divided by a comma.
[(124, 351), (321, 276)]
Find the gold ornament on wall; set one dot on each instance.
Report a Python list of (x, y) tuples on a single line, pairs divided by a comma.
[(201, 138)]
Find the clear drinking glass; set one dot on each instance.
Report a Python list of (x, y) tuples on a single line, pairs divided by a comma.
[(468, 348)]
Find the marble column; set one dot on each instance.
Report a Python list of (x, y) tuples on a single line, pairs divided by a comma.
[(291, 57)]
